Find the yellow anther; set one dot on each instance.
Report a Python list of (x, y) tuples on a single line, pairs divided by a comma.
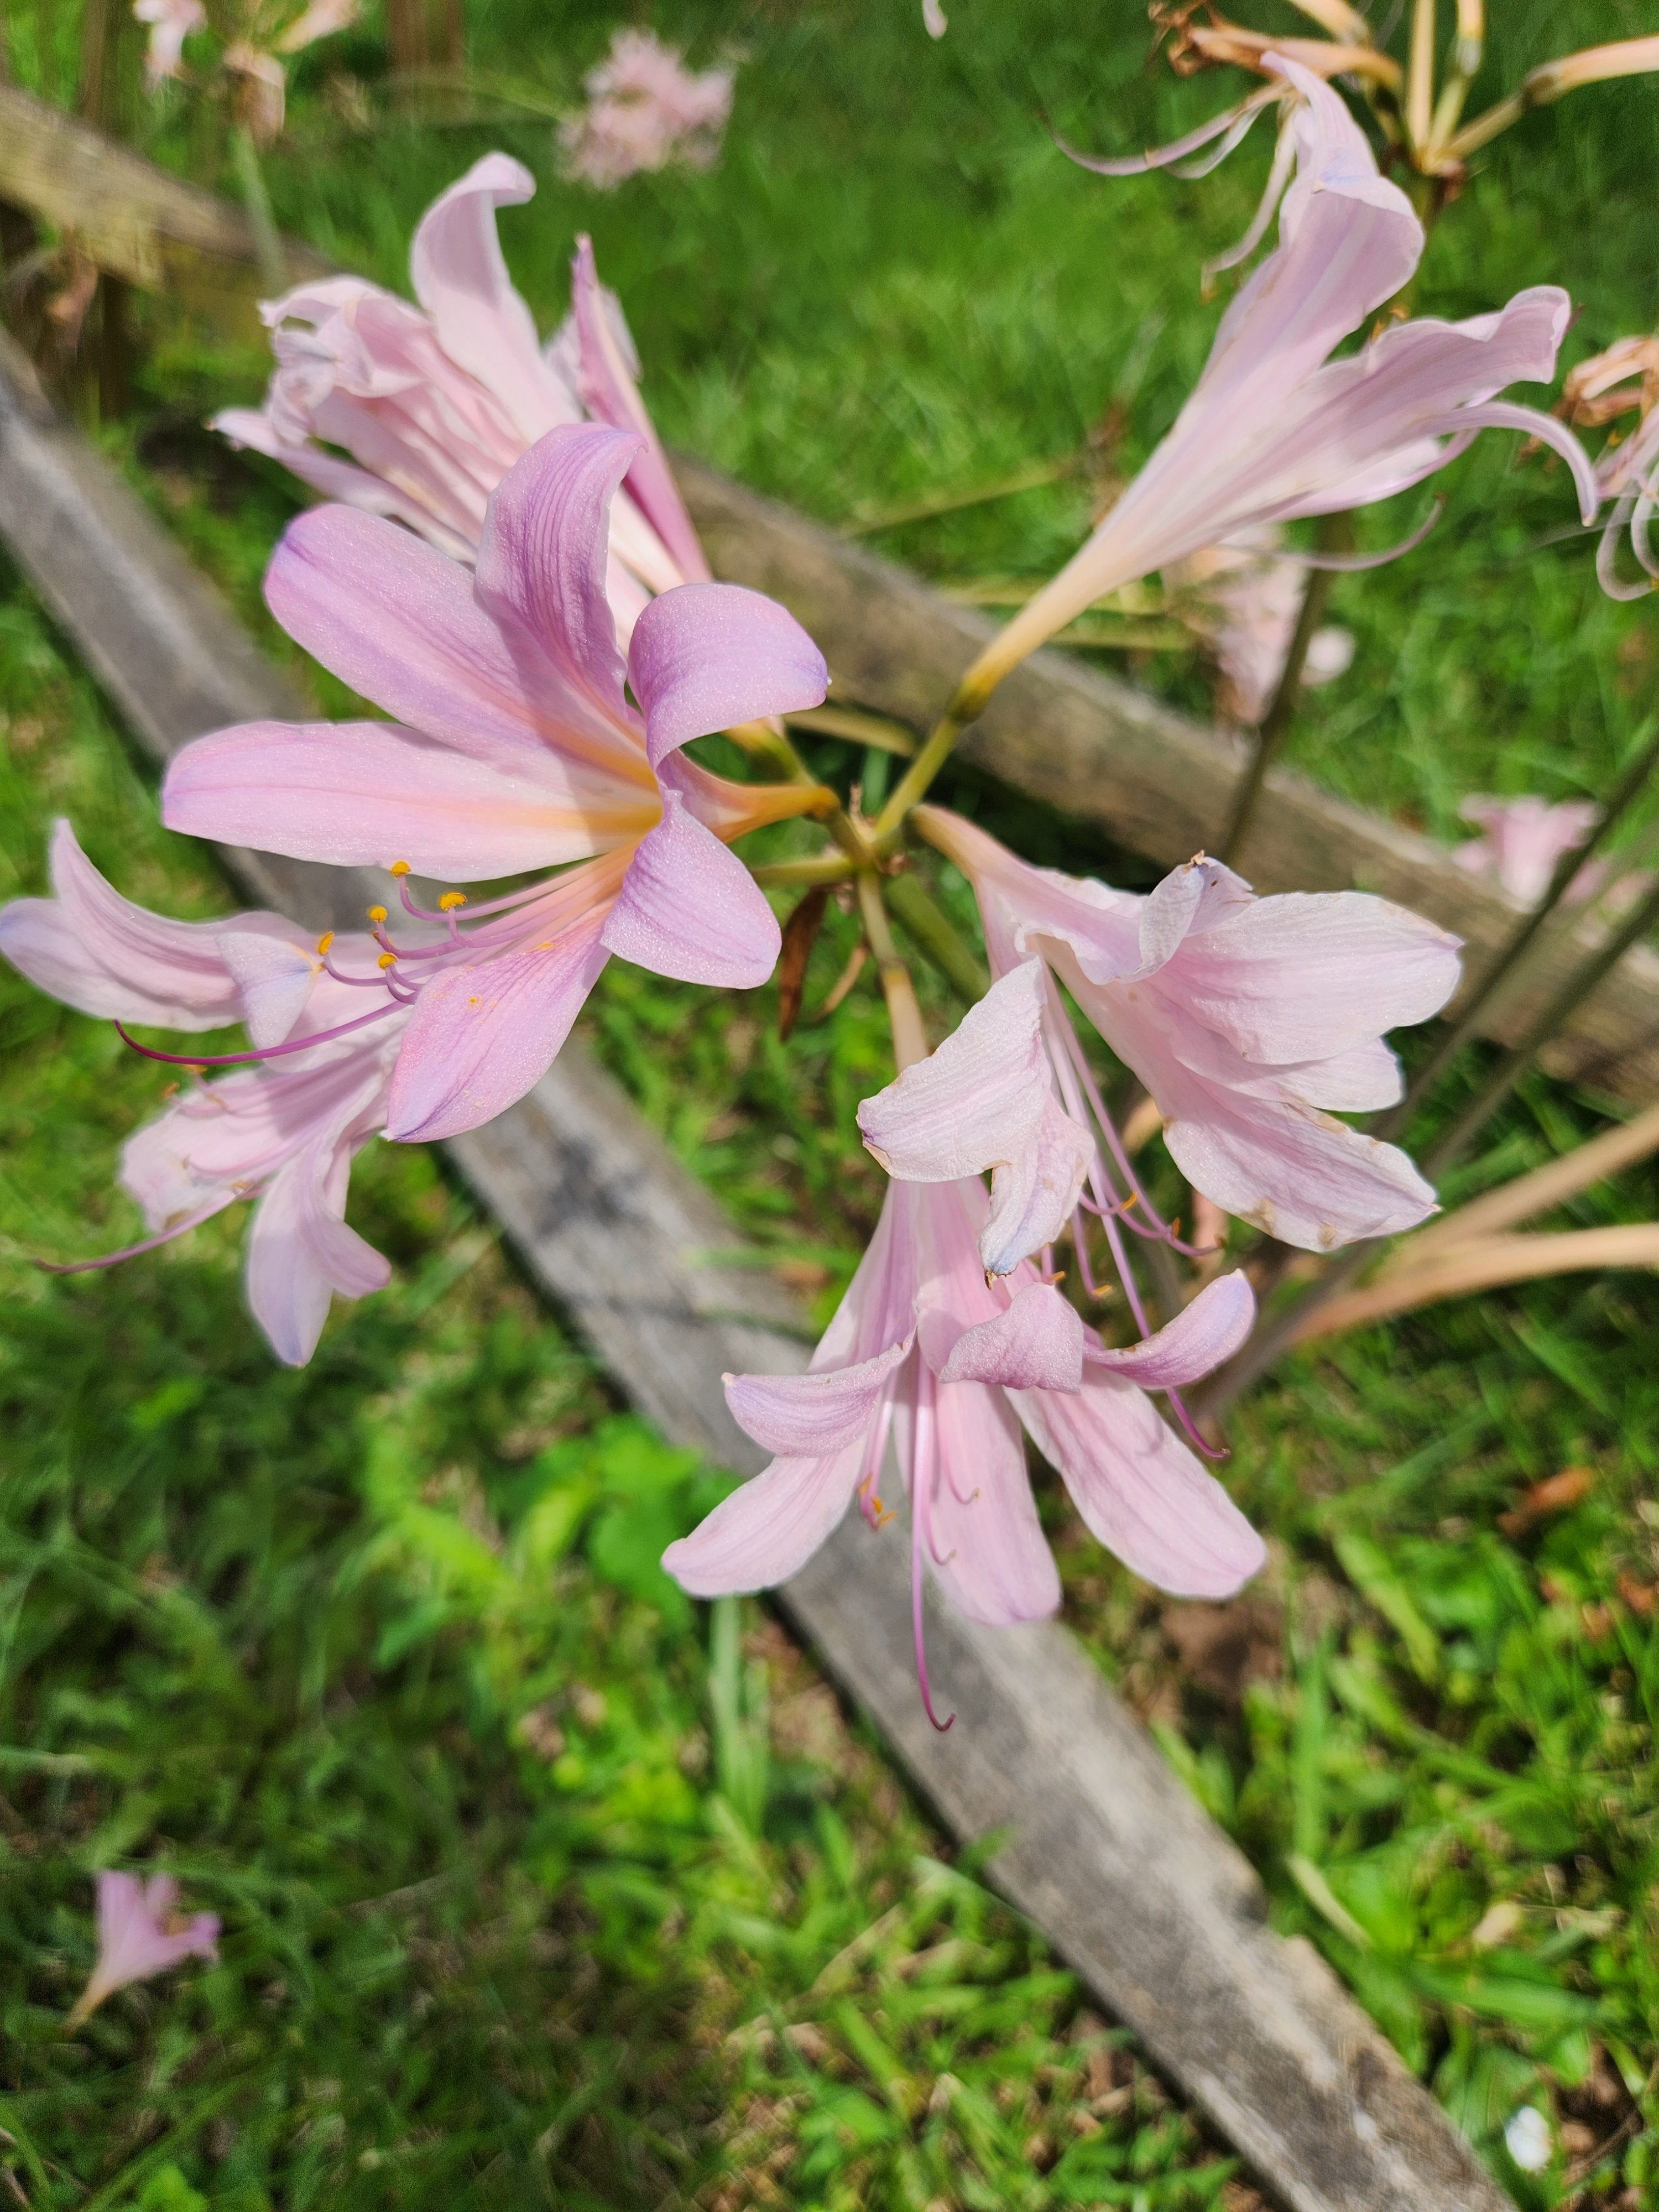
[(386, 960), (450, 899), (400, 867), (377, 913), (325, 941)]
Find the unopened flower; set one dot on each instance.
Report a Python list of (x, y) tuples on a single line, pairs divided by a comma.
[(926, 1353), (1275, 428), (434, 404), (1250, 1021), (281, 1129), (169, 23), (1523, 840), (140, 1933), (514, 750), (645, 109)]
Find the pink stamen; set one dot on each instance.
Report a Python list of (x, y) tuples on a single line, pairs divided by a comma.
[(920, 1484), (245, 1059), (132, 1251), (1189, 1429)]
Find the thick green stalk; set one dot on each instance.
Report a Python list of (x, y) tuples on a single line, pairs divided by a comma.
[(933, 932)]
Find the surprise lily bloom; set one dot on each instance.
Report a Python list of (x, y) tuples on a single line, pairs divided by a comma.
[(434, 404), (515, 749), (281, 1130), (140, 1933), (928, 1354), (1248, 1020), (645, 109), (1274, 429), (1524, 840), (1244, 599)]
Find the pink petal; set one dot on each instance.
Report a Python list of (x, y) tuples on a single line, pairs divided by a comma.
[(1032, 1196), (976, 1102), (610, 394), (688, 908), (460, 278), (1197, 896), (1141, 1491), (709, 655), (986, 1541), (1210, 1329), (1037, 1344), (810, 1416), (96, 950), (1306, 974), (1359, 1081), (401, 624), (544, 555), (273, 980), (481, 1036), (767, 1529), (364, 794), (299, 1251)]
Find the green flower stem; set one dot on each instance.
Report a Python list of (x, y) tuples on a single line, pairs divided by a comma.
[(933, 934), (909, 1037)]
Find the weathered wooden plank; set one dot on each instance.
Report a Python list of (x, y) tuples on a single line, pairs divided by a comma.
[(134, 219), (1147, 777), (1132, 1884)]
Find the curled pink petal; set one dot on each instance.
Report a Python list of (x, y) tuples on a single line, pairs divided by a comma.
[(1033, 1196), (709, 655), (1037, 1344), (976, 1102), (1195, 1343), (810, 1416)]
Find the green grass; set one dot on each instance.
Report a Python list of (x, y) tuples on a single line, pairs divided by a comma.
[(538, 1884)]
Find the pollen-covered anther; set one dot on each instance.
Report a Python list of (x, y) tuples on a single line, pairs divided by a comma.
[(448, 901), (377, 915), (323, 943), (399, 868), (386, 960)]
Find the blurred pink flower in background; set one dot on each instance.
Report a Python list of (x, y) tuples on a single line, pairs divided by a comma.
[(645, 109), (170, 22), (261, 102), (1523, 840), (1622, 377), (320, 20), (1243, 601), (434, 404), (140, 1933)]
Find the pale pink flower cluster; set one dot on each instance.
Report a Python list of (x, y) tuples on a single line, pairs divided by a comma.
[(141, 1933), (434, 404), (645, 110)]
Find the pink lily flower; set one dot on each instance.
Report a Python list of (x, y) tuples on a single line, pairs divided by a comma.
[(140, 1933), (1243, 600), (645, 109), (434, 404), (1276, 429), (1622, 377), (1248, 1020), (1523, 840), (924, 1351), (169, 23), (283, 1129), (515, 750)]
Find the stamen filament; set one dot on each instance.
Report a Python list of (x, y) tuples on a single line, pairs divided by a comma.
[(245, 1059)]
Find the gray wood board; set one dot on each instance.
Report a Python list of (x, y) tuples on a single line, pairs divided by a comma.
[(1113, 759), (1103, 1847)]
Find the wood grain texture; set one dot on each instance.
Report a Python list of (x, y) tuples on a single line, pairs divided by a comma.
[(1113, 759), (1103, 1847), (134, 219)]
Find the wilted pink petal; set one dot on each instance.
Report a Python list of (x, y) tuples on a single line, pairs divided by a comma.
[(1524, 840), (140, 1934)]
